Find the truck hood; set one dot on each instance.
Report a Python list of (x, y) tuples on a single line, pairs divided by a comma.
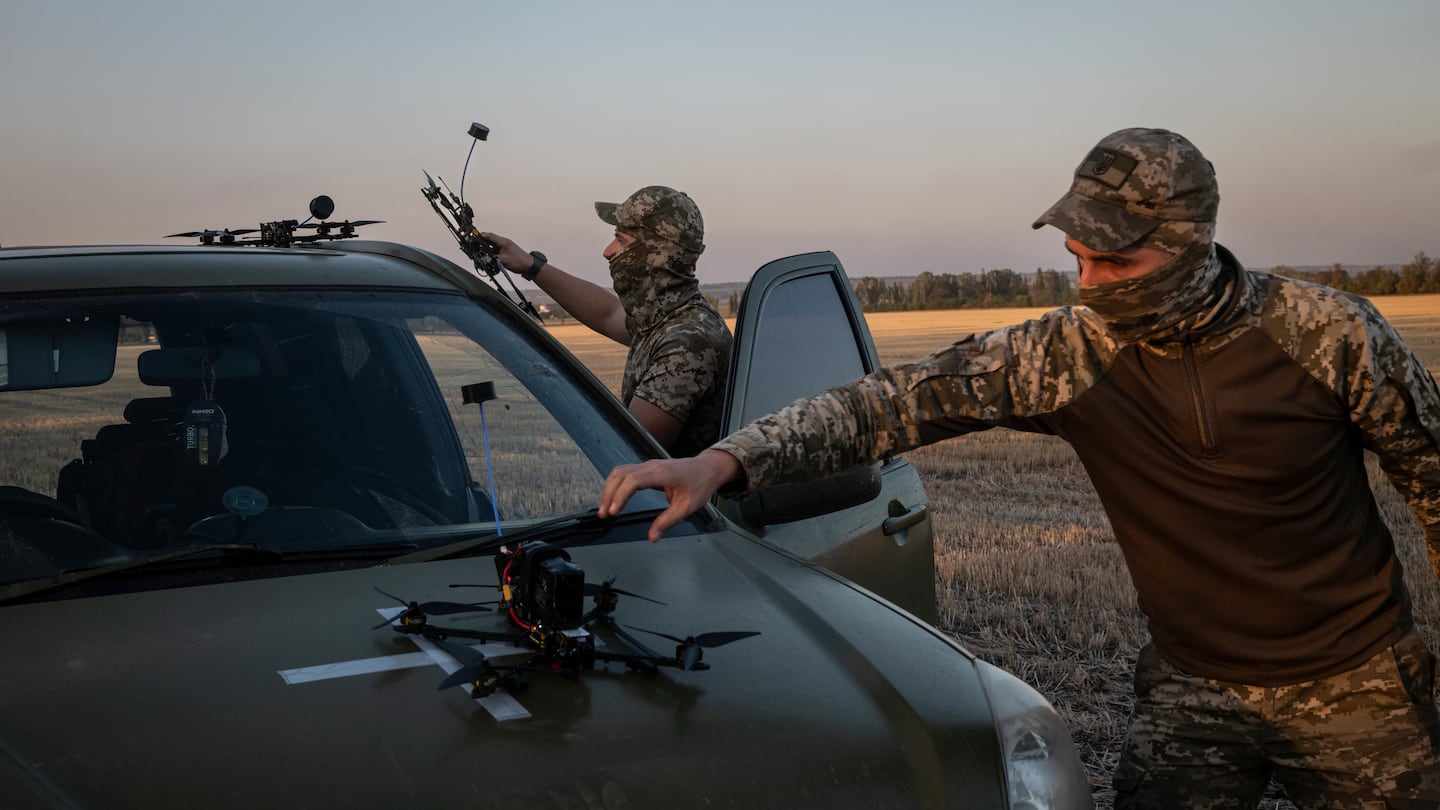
[(279, 692)]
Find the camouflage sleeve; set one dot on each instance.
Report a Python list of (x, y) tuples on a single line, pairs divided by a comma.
[(684, 366), (987, 380), (1347, 344)]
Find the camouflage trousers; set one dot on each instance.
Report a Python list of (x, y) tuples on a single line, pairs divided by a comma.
[(1367, 738)]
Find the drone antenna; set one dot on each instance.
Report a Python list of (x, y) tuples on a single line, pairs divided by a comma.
[(464, 170), (478, 132)]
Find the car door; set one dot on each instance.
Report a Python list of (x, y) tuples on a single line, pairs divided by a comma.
[(800, 330)]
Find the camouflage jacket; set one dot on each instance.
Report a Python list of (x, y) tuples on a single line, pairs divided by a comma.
[(1229, 461), (679, 363)]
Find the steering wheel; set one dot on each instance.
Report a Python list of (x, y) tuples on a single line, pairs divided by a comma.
[(307, 475), (67, 543), (18, 502), (374, 482)]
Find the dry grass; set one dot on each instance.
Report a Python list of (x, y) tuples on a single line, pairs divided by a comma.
[(1027, 572)]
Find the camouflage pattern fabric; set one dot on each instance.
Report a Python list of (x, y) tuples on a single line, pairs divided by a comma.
[(998, 378), (659, 211), (1367, 738), (1029, 375), (679, 345), (680, 368), (1175, 298), (1262, 561), (1133, 183)]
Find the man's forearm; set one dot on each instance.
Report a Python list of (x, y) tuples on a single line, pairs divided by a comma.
[(589, 303)]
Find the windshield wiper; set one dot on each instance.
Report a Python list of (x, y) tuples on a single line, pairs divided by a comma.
[(578, 525), (17, 590)]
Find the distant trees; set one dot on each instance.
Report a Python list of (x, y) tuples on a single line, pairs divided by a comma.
[(987, 289), (1052, 288), (1421, 275)]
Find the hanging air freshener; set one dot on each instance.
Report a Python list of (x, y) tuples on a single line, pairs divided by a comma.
[(205, 421), (204, 432)]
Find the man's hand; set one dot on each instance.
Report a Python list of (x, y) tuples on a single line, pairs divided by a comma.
[(688, 484), (514, 257)]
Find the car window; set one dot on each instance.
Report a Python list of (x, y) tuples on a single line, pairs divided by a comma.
[(511, 441), (804, 315), (290, 418)]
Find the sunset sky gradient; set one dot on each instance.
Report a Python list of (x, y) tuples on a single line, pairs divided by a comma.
[(904, 136)]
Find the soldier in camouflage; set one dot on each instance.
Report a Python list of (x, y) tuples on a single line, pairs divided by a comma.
[(1222, 416), (675, 371)]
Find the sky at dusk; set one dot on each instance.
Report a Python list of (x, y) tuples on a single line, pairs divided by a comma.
[(904, 136)]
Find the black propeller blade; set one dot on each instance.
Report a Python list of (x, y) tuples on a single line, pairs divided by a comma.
[(213, 232), (689, 647), (600, 589), (428, 609), (474, 668), (350, 223)]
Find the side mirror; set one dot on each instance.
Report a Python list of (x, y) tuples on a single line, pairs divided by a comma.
[(784, 503)]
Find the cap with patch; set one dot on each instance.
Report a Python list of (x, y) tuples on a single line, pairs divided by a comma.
[(1132, 183), (659, 210)]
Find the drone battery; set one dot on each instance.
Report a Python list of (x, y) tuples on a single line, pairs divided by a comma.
[(558, 597)]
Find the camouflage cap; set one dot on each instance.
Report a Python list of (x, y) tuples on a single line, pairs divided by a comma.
[(1133, 182), (659, 210)]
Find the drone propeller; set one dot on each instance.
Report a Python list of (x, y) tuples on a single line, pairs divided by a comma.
[(347, 223), (210, 236), (423, 609), (603, 589), (474, 668), (213, 232), (688, 649)]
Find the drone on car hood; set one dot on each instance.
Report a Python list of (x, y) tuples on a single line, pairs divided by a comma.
[(543, 600)]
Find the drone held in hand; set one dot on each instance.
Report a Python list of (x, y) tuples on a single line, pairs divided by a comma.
[(543, 599), (282, 233), (459, 219)]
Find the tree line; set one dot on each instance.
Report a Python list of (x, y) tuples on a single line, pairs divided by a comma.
[(1419, 276), (1052, 288), (986, 289)]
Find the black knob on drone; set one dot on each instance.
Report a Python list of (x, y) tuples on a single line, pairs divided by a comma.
[(322, 207)]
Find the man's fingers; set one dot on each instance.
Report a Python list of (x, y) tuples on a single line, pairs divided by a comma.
[(687, 482), (667, 520), (619, 486)]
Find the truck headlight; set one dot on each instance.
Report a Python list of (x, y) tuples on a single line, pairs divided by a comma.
[(1042, 767)]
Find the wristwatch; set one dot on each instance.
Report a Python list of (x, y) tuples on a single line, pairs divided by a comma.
[(540, 260)]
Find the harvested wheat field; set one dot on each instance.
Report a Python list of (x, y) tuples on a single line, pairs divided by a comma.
[(1027, 573)]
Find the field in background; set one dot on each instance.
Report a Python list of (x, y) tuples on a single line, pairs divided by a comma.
[(1027, 573)]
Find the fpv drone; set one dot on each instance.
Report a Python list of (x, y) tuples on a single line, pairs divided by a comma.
[(281, 233), (459, 219), (543, 599)]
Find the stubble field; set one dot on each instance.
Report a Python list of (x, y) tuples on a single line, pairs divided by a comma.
[(1027, 572)]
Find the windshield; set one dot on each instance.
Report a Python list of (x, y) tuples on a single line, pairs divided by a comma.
[(292, 419)]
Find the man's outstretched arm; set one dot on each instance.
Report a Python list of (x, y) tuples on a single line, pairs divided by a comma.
[(590, 304), (688, 483)]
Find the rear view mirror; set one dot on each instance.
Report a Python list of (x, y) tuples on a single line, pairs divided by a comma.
[(187, 364), (57, 354)]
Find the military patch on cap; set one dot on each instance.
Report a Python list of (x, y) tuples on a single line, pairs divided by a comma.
[(1107, 166)]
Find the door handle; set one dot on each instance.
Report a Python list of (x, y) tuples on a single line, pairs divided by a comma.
[(900, 523)]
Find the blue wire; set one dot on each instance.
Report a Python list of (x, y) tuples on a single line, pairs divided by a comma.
[(490, 470)]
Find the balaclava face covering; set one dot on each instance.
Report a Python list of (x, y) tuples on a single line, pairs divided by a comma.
[(1183, 294), (652, 278)]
